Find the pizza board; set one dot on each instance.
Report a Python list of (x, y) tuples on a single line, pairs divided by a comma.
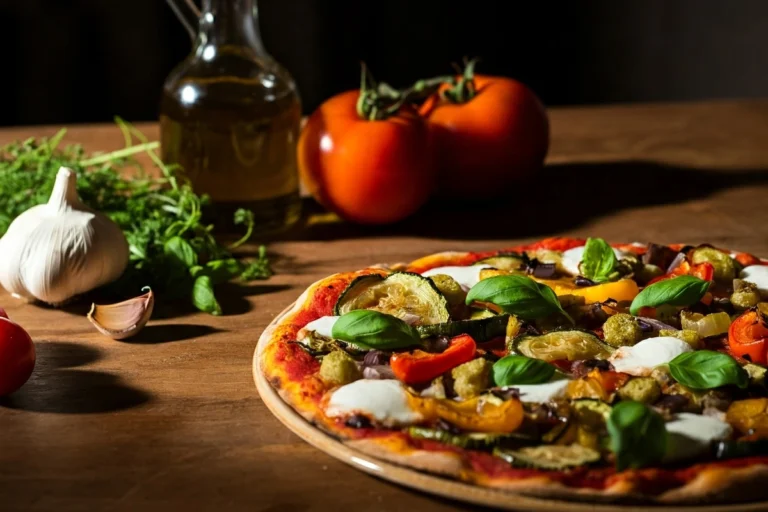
[(431, 484)]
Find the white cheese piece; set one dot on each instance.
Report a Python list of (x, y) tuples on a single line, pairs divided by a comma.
[(641, 359), (386, 401), (540, 393), (322, 326), (572, 258), (757, 275), (690, 435), (467, 277)]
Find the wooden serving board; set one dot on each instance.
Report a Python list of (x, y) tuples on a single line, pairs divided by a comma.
[(444, 487)]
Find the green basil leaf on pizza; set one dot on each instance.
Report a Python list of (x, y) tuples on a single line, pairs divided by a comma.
[(514, 369), (369, 329), (706, 369), (638, 437), (677, 291), (599, 262), (517, 295)]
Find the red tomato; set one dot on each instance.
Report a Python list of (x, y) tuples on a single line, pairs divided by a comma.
[(488, 144), (17, 355), (371, 172)]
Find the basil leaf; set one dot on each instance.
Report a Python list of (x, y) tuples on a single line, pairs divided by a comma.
[(514, 369), (706, 369), (638, 435), (678, 291), (203, 297), (179, 249), (223, 270), (517, 295), (368, 329), (599, 262)]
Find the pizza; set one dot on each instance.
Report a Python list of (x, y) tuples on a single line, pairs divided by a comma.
[(565, 368)]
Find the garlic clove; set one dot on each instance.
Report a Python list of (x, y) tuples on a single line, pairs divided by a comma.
[(124, 319)]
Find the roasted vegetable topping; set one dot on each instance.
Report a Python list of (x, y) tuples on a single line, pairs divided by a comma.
[(690, 337), (418, 366), (569, 345), (748, 335), (472, 441), (472, 378), (705, 325), (745, 295), (722, 262), (622, 329), (509, 261), (338, 368), (551, 457), (451, 290), (481, 330), (641, 389), (401, 294), (749, 417)]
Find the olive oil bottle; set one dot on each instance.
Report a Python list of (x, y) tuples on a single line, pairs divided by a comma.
[(230, 116)]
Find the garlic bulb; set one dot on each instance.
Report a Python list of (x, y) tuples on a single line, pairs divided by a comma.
[(55, 251)]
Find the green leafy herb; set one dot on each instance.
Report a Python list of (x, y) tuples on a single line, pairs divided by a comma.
[(370, 329), (171, 246), (203, 297), (678, 291), (517, 295), (599, 262), (638, 435), (706, 369), (514, 369)]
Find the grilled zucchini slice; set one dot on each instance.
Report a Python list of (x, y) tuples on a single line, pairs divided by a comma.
[(573, 345), (506, 261), (402, 294), (471, 440), (550, 457), (481, 330)]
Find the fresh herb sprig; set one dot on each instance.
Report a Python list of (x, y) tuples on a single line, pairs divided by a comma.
[(172, 249)]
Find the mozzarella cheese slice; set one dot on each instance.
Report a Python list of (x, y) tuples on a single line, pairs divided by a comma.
[(690, 435), (757, 275), (467, 277), (572, 258), (322, 326), (540, 393), (386, 401), (641, 359)]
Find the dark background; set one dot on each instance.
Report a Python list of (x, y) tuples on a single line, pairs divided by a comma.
[(69, 61)]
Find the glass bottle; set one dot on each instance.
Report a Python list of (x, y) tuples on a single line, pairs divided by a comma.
[(230, 116)]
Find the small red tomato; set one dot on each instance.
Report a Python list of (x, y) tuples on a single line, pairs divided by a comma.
[(369, 172), (491, 142), (17, 355)]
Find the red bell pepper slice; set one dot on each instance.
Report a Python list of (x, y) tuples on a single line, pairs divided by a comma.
[(703, 271), (748, 337), (747, 259), (418, 366)]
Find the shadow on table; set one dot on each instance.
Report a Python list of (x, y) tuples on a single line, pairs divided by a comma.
[(166, 333), (56, 387), (561, 197)]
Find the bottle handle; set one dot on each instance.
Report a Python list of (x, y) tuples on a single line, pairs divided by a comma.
[(188, 14)]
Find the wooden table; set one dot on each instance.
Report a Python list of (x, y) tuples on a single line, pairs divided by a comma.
[(173, 421)]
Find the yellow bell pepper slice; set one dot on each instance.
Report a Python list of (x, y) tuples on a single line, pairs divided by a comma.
[(621, 290), (474, 415)]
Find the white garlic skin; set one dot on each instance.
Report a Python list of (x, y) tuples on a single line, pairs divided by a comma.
[(61, 249)]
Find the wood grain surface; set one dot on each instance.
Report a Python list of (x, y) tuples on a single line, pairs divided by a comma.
[(172, 420)]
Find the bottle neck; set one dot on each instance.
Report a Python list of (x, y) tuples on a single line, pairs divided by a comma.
[(230, 22)]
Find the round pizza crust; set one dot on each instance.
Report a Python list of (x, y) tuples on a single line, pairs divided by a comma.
[(441, 473)]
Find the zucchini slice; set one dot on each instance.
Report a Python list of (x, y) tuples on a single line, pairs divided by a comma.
[(505, 261), (402, 294), (481, 330), (573, 345), (551, 457), (591, 412), (471, 440)]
